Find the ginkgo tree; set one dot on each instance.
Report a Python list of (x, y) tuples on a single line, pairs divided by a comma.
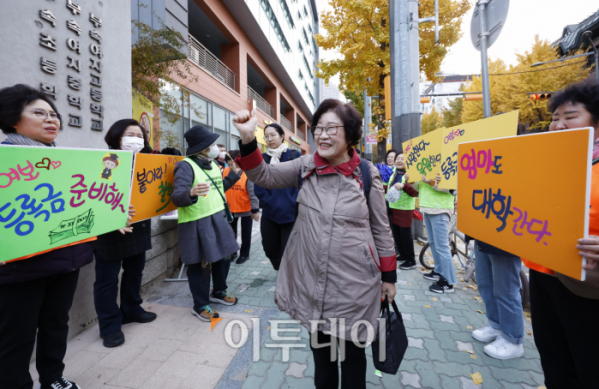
[(359, 31), (510, 85)]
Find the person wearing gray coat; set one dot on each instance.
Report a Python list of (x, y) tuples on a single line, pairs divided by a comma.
[(206, 241)]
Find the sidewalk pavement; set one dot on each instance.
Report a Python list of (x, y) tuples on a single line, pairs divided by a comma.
[(179, 351)]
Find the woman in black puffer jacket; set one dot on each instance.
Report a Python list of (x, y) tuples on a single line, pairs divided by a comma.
[(36, 293)]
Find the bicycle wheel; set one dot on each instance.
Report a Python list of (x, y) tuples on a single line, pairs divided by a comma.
[(424, 261), (525, 291)]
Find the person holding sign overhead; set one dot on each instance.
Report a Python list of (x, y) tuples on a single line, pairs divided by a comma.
[(565, 311), (206, 240), (436, 205), (126, 249), (36, 292), (244, 206)]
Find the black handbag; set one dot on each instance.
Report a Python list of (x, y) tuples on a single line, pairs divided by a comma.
[(228, 213), (395, 343)]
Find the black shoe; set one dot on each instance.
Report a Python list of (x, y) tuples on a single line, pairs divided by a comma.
[(407, 265), (62, 384), (144, 317), (432, 276), (442, 286), (113, 340), (241, 260)]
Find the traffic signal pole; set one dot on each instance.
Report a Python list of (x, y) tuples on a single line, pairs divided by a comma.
[(367, 121)]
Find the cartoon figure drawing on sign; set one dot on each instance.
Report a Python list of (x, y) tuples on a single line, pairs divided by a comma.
[(110, 162)]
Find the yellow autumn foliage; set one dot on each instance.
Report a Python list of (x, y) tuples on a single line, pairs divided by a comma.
[(509, 92)]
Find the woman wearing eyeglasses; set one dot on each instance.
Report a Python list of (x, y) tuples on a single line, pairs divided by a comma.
[(340, 261), (36, 292), (278, 205)]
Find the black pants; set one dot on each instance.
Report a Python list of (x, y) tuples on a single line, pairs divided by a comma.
[(246, 234), (326, 372), (565, 331), (41, 306), (106, 288), (274, 240), (199, 281), (404, 242)]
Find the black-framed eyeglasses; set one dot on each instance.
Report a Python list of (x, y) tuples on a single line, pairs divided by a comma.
[(40, 113), (331, 130)]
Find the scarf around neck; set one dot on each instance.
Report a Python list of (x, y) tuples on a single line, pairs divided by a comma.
[(275, 154), (21, 140)]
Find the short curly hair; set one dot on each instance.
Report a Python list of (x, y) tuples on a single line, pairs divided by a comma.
[(349, 115), (585, 93), (13, 100)]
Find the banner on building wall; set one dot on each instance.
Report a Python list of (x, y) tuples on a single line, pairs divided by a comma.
[(51, 197), (494, 127), (143, 112), (423, 155), (506, 201), (152, 186)]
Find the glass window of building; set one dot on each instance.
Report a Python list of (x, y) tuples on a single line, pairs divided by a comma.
[(201, 107), (220, 118)]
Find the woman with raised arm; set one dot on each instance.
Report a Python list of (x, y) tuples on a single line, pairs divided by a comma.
[(340, 247)]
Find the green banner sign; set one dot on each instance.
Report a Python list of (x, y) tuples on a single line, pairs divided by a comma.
[(51, 197)]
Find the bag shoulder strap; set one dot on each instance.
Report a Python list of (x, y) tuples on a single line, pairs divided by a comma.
[(366, 178), (364, 171), (208, 175)]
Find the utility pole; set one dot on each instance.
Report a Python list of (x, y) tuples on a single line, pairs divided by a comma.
[(367, 121), (405, 68)]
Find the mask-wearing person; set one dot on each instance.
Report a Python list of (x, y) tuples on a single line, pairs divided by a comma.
[(206, 240)]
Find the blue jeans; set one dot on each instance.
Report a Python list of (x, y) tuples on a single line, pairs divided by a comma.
[(437, 231), (498, 279)]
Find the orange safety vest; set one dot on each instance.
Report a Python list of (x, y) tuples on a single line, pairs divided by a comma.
[(593, 217), (238, 197)]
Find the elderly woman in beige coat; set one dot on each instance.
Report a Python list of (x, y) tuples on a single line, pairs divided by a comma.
[(341, 247)]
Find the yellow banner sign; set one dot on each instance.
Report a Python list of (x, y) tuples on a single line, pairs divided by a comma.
[(494, 127), (504, 201), (423, 155), (152, 185), (143, 112)]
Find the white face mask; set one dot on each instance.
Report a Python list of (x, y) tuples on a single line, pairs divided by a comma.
[(132, 143), (214, 151), (222, 156)]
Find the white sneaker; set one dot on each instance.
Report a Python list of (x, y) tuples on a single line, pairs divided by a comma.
[(502, 349), (486, 334)]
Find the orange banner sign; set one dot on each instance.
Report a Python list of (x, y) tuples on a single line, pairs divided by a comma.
[(152, 185), (529, 195)]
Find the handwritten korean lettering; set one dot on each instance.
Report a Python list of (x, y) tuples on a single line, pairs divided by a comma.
[(27, 171), (450, 167), (144, 177), (453, 135), (530, 224), (28, 207), (483, 159), (101, 193), (415, 153), (165, 189)]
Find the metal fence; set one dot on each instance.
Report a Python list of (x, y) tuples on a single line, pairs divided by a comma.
[(201, 56), (286, 123), (261, 103)]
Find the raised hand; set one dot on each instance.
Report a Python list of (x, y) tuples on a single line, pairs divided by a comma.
[(246, 123)]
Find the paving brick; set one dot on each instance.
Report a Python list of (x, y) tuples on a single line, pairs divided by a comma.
[(435, 352), (253, 382), (275, 376), (450, 382), (428, 377), (512, 375), (135, 374)]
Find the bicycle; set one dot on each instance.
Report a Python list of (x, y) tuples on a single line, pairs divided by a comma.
[(468, 264)]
